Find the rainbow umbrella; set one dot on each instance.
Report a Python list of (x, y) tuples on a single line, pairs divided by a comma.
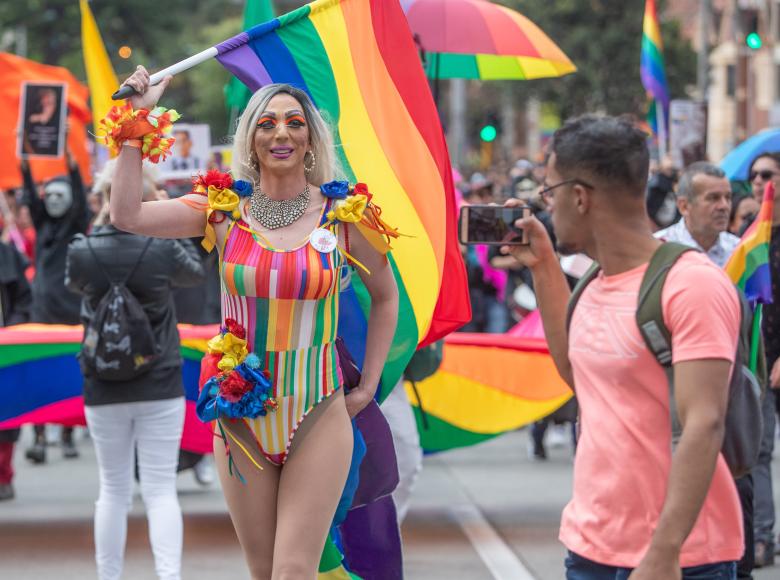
[(476, 39)]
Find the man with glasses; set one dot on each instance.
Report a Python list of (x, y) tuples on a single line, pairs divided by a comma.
[(766, 168), (637, 510)]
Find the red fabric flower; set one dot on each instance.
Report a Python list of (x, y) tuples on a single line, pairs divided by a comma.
[(208, 368), (362, 189), (235, 328), (234, 387), (215, 178)]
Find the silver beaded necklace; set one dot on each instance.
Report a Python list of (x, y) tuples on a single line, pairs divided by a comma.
[(273, 214)]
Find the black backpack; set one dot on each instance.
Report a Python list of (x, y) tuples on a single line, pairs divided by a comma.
[(743, 413), (118, 344)]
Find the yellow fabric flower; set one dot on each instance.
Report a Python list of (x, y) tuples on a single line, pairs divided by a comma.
[(350, 209), (222, 199), (227, 363), (234, 347), (214, 345)]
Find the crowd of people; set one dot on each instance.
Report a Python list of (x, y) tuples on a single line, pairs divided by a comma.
[(99, 257)]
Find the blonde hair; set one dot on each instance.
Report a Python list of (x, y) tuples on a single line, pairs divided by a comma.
[(102, 185), (245, 166)]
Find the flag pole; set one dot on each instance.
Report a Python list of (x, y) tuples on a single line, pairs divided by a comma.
[(661, 121), (126, 91), (755, 338)]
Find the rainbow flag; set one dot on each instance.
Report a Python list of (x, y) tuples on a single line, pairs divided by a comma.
[(358, 62), (487, 385), (748, 266), (652, 68), (41, 382)]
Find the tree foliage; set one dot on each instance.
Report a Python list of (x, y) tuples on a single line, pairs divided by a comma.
[(603, 38)]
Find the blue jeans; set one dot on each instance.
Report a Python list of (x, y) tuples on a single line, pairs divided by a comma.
[(579, 568)]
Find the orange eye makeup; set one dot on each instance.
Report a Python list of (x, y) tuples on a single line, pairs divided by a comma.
[(266, 122), (296, 120)]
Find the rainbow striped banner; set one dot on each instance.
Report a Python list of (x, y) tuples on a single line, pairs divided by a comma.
[(41, 382), (652, 68), (488, 384), (357, 60), (748, 266)]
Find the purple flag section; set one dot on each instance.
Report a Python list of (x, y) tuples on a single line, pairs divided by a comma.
[(372, 541), (239, 58)]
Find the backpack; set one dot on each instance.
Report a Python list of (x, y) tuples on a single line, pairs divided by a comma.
[(743, 423), (424, 362), (118, 344)]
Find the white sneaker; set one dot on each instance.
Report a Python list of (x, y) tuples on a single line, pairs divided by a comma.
[(559, 436), (204, 471)]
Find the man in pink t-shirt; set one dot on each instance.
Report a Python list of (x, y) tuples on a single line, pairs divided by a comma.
[(637, 511)]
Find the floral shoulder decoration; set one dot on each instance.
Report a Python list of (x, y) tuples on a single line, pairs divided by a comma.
[(223, 194), (240, 388), (353, 205), (153, 128)]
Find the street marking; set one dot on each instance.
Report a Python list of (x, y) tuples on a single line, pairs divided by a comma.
[(496, 555)]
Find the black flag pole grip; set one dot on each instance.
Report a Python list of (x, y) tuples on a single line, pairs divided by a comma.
[(124, 92)]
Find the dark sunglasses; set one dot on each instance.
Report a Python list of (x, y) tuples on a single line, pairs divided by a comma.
[(765, 175)]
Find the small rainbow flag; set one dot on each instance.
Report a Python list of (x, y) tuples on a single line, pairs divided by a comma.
[(748, 266), (358, 62), (652, 68)]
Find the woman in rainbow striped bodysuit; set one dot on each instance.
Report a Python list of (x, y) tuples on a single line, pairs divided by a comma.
[(272, 377)]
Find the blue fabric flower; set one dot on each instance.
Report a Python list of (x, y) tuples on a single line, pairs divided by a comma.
[(253, 375), (252, 361), (242, 188), (335, 189)]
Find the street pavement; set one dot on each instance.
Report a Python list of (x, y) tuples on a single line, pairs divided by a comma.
[(487, 512)]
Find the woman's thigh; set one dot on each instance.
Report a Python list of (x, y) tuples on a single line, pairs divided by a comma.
[(310, 487), (158, 427), (111, 430), (252, 505)]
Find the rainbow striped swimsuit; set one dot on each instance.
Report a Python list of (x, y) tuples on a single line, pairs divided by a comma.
[(288, 302)]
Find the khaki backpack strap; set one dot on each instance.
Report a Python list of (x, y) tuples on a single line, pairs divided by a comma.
[(579, 288), (650, 318), (649, 313)]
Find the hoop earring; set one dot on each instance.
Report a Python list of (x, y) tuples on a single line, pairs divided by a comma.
[(253, 163), (311, 167)]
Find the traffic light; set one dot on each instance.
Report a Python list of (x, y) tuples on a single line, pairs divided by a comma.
[(488, 133), (753, 38)]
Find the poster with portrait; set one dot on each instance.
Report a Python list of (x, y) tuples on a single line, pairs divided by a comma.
[(42, 120), (687, 132), (190, 153)]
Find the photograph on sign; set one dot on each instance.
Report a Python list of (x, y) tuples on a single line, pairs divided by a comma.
[(42, 120), (190, 152)]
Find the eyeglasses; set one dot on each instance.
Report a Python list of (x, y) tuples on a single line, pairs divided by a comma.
[(765, 175), (546, 192)]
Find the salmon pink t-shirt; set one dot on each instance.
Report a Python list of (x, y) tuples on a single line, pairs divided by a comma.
[(623, 459)]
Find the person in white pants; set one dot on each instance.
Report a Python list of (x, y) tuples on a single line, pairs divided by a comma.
[(154, 428), (139, 412)]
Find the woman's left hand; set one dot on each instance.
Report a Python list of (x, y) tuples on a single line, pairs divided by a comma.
[(356, 401)]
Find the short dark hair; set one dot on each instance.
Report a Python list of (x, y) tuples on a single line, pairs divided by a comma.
[(685, 185), (608, 149), (774, 156)]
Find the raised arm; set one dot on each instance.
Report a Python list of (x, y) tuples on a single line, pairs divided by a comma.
[(162, 219)]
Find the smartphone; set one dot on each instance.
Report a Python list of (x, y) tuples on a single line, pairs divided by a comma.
[(493, 225)]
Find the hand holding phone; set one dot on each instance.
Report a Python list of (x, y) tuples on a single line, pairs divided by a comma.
[(492, 225)]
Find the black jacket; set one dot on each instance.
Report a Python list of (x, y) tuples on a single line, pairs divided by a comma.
[(15, 295), (166, 264), (52, 302)]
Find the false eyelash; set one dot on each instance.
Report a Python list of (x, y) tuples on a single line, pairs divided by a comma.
[(298, 118), (264, 119)]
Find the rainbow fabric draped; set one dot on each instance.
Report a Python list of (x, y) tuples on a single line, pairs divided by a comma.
[(40, 379), (357, 61), (652, 68), (748, 266)]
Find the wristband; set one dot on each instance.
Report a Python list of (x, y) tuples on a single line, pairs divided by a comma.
[(152, 129)]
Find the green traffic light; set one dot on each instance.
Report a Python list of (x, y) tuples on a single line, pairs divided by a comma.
[(753, 41), (488, 133)]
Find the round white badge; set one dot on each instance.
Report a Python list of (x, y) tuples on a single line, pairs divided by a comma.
[(323, 240)]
